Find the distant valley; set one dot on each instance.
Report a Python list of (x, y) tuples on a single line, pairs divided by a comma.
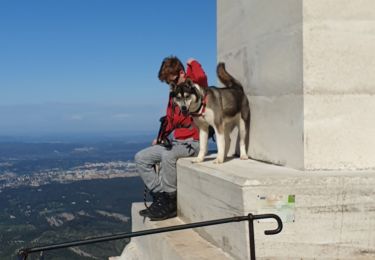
[(55, 192)]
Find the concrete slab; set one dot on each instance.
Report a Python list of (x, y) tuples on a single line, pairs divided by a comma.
[(332, 216), (177, 245)]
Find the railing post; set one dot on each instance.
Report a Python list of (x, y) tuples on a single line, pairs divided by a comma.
[(251, 236)]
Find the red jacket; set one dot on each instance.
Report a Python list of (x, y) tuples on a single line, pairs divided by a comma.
[(176, 120)]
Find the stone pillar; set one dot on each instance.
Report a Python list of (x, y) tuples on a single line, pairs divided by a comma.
[(308, 68)]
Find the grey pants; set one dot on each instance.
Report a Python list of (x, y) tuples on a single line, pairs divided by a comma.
[(166, 180)]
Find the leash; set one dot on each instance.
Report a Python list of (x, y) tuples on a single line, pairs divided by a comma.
[(189, 147), (146, 190)]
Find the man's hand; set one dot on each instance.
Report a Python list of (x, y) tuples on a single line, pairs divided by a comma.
[(190, 60)]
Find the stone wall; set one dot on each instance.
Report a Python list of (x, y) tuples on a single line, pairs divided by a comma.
[(307, 67)]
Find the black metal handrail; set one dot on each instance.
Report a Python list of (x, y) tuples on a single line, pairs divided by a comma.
[(23, 253)]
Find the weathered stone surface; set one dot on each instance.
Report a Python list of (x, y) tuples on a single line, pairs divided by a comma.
[(334, 213), (177, 245), (307, 69)]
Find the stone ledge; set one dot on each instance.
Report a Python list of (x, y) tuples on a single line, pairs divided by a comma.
[(334, 211), (176, 245)]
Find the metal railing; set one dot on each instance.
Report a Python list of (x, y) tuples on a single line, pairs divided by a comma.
[(24, 253)]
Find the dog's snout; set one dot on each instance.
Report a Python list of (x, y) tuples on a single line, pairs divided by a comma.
[(184, 110)]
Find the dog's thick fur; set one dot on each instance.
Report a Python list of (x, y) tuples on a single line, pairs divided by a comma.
[(221, 108)]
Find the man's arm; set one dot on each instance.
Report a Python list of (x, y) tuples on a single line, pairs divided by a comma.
[(196, 73)]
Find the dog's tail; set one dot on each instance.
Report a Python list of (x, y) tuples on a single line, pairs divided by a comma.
[(228, 80)]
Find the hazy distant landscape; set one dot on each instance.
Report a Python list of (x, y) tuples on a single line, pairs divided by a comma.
[(53, 191)]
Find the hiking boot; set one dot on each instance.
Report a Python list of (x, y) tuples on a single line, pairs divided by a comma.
[(145, 212), (165, 207)]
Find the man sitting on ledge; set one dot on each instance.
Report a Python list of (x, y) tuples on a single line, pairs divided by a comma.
[(162, 185)]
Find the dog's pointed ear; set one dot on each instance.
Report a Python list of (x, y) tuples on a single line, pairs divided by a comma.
[(172, 87), (189, 82)]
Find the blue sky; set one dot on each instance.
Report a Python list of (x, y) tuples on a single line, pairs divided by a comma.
[(89, 66)]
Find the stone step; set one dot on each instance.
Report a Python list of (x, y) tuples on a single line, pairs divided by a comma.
[(176, 245), (326, 214)]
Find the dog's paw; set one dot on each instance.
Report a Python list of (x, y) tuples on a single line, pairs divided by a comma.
[(218, 161), (244, 157), (198, 160)]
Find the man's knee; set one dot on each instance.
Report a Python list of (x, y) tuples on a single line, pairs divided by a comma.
[(140, 157)]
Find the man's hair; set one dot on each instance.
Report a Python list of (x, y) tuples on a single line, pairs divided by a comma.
[(170, 66)]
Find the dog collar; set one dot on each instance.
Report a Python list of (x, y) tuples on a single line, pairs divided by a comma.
[(202, 108)]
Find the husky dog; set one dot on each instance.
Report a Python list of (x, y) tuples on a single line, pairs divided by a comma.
[(221, 108)]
